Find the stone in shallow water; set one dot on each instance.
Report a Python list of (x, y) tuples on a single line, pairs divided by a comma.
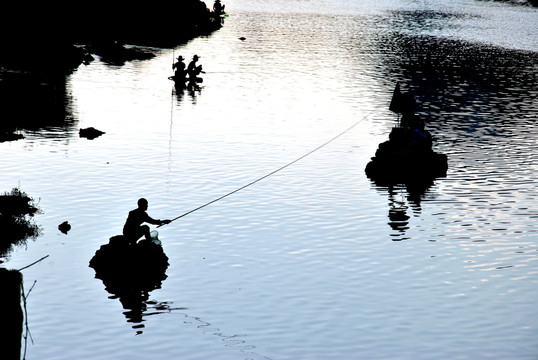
[(90, 133)]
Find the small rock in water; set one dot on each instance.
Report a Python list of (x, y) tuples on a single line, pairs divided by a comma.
[(90, 133), (64, 227)]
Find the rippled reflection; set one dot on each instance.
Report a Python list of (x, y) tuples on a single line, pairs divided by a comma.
[(405, 203), (37, 106), (130, 273), (193, 90)]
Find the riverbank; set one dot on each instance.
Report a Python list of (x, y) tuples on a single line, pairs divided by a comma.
[(521, 2), (50, 41), (16, 212)]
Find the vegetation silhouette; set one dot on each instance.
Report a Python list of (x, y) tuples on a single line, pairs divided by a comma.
[(16, 212)]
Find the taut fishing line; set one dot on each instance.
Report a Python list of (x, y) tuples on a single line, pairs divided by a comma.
[(269, 174)]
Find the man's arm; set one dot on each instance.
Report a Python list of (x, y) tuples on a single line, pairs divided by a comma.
[(153, 221)]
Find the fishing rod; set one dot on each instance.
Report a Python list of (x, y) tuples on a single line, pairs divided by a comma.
[(269, 174), (223, 72)]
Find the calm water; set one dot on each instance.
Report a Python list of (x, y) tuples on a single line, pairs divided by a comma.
[(310, 263)]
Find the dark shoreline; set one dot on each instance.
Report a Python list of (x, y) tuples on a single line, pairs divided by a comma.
[(47, 42), (533, 3), (44, 36)]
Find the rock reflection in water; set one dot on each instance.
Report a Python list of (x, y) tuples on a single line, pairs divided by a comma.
[(130, 273)]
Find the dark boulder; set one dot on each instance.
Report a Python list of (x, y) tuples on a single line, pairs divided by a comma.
[(90, 133)]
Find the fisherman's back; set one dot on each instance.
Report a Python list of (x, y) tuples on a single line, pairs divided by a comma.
[(135, 218)]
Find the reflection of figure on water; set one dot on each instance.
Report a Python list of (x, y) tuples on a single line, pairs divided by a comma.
[(133, 228), (398, 218), (130, 272), (402, 197), (192, 88)]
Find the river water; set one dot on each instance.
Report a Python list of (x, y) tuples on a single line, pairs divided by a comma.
[(314, 261)]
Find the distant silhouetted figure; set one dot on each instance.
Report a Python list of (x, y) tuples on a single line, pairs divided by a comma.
[(179, 67), (194, 70), (405, 104), (133, 228), (407, 107), (218, 8)]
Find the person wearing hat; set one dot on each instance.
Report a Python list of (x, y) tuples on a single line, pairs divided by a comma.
[(193, 70), (179, 66), (218, 8)]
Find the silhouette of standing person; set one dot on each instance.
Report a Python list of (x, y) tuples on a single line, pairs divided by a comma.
[(133, 228)]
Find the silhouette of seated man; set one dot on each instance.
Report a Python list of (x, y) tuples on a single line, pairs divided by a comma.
[(218, 8), (133, 228), (194, 70), (179, 66), (407, 108)]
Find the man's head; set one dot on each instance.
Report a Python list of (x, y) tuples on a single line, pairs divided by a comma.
[(142, 204)]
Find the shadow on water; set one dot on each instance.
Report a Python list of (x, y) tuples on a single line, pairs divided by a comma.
[(130, 273)]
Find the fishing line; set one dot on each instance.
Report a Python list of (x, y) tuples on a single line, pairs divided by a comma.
[(271, 173)]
